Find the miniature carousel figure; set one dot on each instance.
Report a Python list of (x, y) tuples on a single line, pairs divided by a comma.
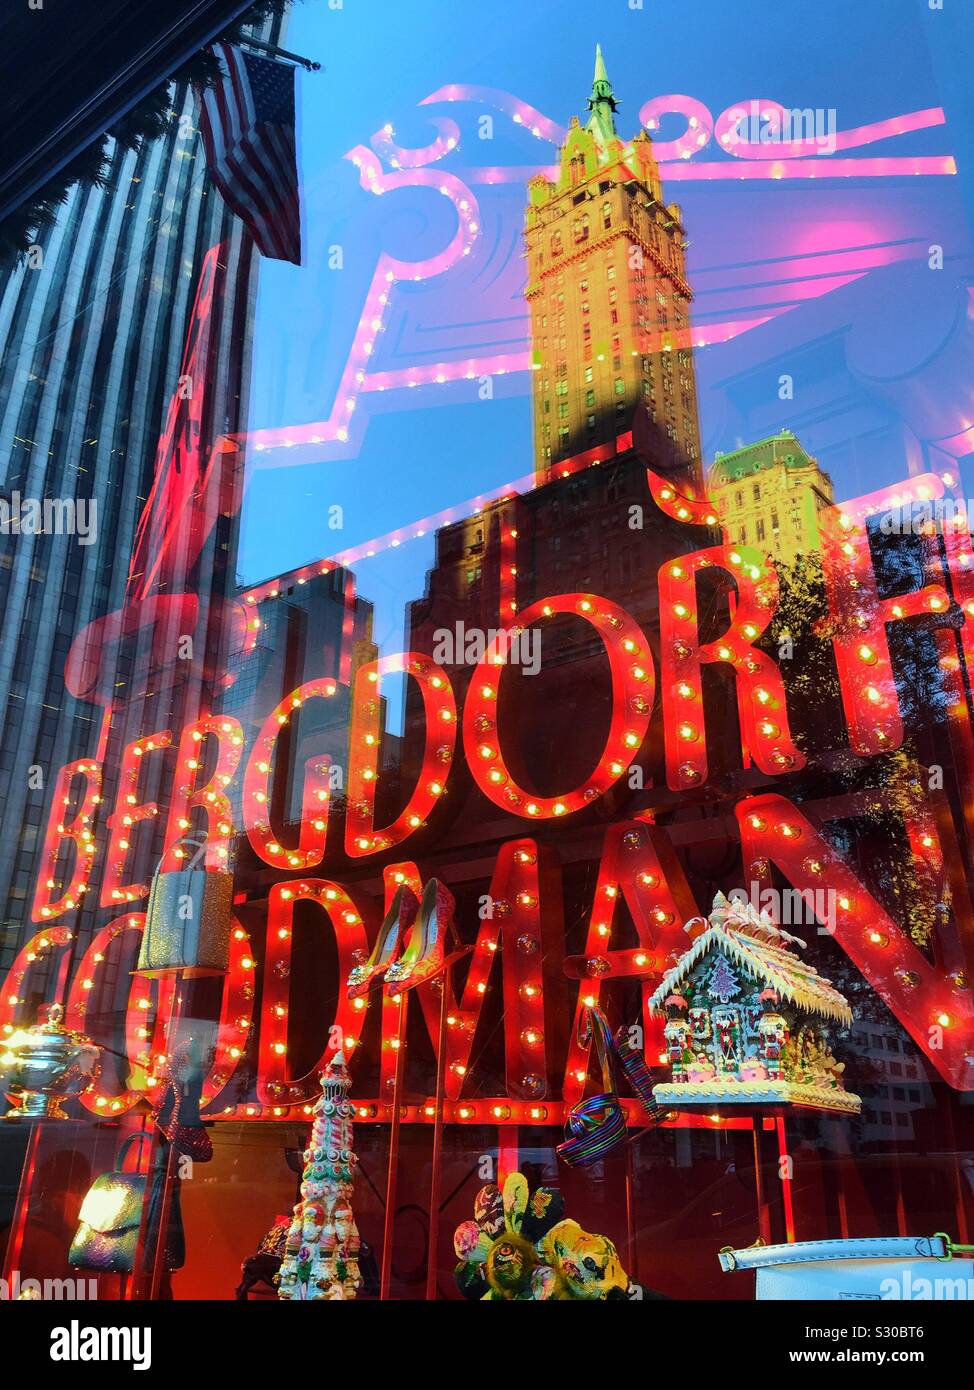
[(746, 1018)]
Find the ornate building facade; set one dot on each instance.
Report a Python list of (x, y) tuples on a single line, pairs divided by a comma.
[(608, 295), (771, 494)]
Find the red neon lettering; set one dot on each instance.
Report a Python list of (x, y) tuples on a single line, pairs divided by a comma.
[(760, 690), (128, 813), (633, 687), (440, 727), (859, 615), (640, 867), (274, 1086), (211, 797), (257, 789), (933, 1006), (60, 832)]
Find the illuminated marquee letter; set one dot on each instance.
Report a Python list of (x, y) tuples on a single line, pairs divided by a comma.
[(127, 813), (36, 950), (274, 1086), (257, 789), (145, 1045), (859, 615), (61, 831), (529, 941), (211, 796), (934, 1006), (633, 688), (760, 690), (440, 727), (640, 868)]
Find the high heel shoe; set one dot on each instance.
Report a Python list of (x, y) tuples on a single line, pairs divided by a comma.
[(637, 1073), (433, 932), (398, 920), (595, 1126)]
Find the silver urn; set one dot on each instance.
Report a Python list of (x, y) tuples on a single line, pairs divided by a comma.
[(44, 1066)]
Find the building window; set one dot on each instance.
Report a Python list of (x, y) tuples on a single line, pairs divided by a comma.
[(756, 491), (588, 373), (759, 530), (589, 397), (742, 535), (620, 386)]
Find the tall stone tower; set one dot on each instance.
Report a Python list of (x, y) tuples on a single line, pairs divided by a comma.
[(608, 295)]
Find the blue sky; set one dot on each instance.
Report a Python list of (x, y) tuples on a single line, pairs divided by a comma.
[(870, 60)]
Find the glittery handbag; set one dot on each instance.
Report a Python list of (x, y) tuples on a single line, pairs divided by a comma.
[(187, 920), (111, 1214)]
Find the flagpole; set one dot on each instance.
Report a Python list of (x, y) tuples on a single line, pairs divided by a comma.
[(280, 53)]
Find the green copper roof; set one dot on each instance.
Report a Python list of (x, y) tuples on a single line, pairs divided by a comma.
[(783, 447), (602, 103)]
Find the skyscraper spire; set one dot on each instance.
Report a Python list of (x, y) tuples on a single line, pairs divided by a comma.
[(602, 102), (607, 257)]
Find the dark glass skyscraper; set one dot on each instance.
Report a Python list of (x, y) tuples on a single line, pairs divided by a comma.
[(92, 331)]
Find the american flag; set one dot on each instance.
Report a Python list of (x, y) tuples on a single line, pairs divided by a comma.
[(247, 124)]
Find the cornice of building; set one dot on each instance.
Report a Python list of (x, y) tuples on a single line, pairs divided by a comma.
[(596, 244)]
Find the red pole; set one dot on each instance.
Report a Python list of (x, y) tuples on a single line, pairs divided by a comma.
[(632, 1256), (446, 988), (385, 1277), (784, 1168), (764, 1216)]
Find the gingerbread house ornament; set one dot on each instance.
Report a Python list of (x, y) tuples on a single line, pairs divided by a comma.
[(747, 1019)]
